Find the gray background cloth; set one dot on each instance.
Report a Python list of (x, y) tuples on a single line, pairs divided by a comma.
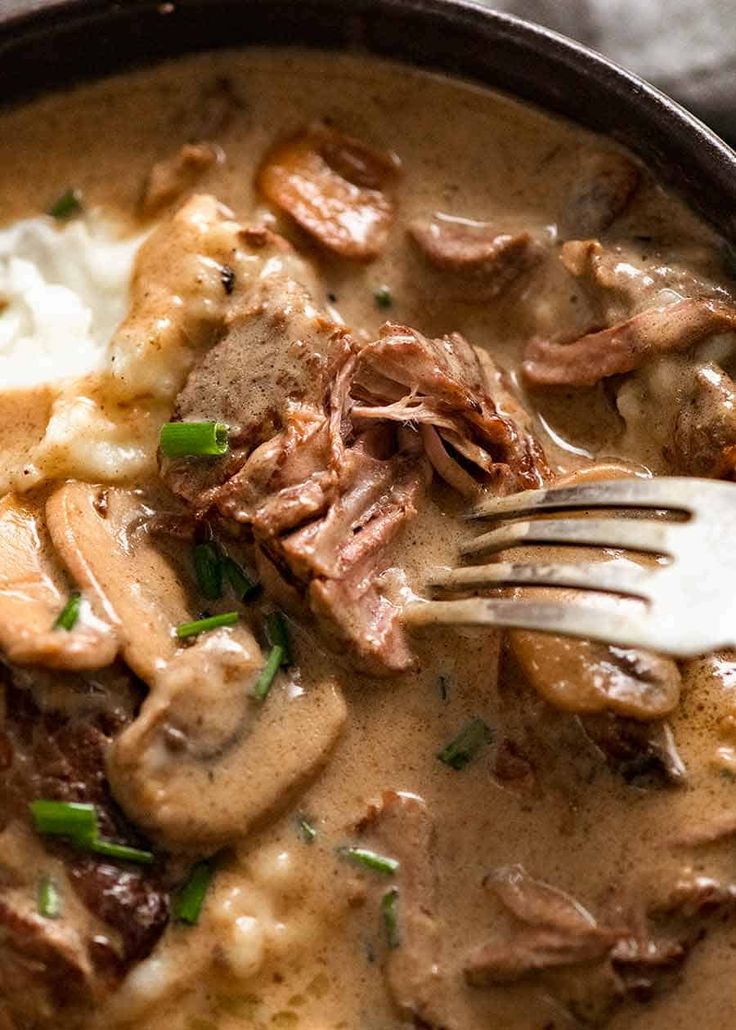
[(686, 47)]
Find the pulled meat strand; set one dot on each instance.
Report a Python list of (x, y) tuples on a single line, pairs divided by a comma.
[(626, 346)]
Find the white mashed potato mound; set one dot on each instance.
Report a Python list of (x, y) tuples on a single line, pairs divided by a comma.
[(63, 290)]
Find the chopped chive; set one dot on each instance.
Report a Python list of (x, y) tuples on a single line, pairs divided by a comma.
[(123, 852), (49, 899), (370, 860), (208, 570), (64, 819), (193, 439), (66, 206), (382, 297), (78, 824), (278, 635), (471, 739), (390, 916), (192, 629), (69, 614), (307, 831), (190, 899), (264, 682), (242, 585)]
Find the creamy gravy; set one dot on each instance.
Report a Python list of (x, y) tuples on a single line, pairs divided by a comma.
[(309, 951)]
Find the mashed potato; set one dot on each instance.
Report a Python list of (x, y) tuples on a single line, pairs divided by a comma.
[(63, 290)]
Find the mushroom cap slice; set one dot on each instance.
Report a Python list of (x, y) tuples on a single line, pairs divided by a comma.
[(204, 762), (33, 593), (334, 187)]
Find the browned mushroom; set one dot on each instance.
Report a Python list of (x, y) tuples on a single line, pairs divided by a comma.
[(333, 186), (33, 592), (179, 769)]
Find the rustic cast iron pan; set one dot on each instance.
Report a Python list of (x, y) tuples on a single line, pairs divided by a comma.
[(50, 43)]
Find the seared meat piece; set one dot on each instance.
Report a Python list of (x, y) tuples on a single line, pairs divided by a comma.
[(645, 754), (334, 187), (34, 590), (400, 826), (624, 347), (171, 178), (704, 438), (603, 184), (326, 464), (112, 914), (475, 260), (549, 929)]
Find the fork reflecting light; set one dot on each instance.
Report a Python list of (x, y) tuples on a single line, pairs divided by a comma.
[(687, 600)]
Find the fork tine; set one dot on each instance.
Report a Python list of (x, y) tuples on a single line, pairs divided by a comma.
[(572, 620), (600, 576), (629, 534), (660, 493)]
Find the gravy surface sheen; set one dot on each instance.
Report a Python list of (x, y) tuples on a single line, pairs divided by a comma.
[(291, 934)]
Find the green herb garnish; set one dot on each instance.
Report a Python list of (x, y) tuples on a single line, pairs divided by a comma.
[(208, 569), (193, 439), (243, 586), (193, 629), (77, 823), (190, 899), (307, 831), (390, 916), (278, 635), (66, 206), (471, 739), (383, 298), (264, 682), (49, 899), (370, 860), (69, 614)]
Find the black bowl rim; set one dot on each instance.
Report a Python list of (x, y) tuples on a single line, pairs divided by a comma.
[(45, 44)]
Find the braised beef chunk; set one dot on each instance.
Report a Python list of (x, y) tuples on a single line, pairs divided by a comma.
[(645, 754), (401, 827), (603, 184), (173, 177), (548, 929), (628, 345), (335, 187), (112, 913), (592, 966), (333, 442), (473, 261), (704, 439)]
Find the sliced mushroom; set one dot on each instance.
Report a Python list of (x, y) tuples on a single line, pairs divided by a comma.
[(204, 762), (475, 259), (199, 795), (33, 592), (581, 675), (584, 676), (335, 187)]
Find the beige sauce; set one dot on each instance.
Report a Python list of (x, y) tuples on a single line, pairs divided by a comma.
[(315, 959)]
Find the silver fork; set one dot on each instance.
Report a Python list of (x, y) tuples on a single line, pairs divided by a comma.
[(689, 597)]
